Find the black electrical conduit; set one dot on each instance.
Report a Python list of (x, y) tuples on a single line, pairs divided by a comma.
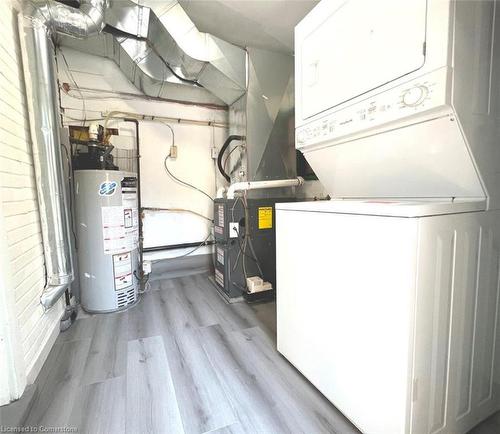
[(221, 153), (178, 246)]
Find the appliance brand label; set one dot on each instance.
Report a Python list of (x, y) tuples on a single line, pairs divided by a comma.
[(107, 188)]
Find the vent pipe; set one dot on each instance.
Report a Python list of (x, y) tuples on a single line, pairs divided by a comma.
[(38, 23), (259, 185)]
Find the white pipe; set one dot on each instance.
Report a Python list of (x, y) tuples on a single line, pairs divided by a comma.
[(257, 185), (220, 192)]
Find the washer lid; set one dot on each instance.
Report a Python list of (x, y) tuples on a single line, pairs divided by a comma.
[(388, 207)]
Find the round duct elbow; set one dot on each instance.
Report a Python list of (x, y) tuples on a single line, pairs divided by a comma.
[(82, 22)]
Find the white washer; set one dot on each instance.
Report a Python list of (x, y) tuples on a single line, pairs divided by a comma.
[(390, 308)]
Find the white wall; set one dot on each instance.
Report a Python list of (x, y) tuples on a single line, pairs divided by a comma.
[(19, 204), (194, 163)]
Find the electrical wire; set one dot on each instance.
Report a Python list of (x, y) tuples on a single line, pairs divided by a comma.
[(171, 69), (248, 238), (203, 243), (135, 96), (180, 181), (257, 262), (101, 97), (228, 155), (80, 119), (247, 234), (242, 248), (68, 70), (171, 131), (241, 252), (144, 282), (179, 210)]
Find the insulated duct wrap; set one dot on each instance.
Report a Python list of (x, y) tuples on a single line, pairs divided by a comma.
[(37, 23)]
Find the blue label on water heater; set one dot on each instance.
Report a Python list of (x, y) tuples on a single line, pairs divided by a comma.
[(107, 188)]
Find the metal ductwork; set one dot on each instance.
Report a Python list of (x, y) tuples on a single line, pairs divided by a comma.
[(265, 116), (146, 72), (83, 22), (217, 65), (163, 54), (38, 23)]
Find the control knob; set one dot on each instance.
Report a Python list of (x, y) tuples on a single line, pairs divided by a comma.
[(415, 96)]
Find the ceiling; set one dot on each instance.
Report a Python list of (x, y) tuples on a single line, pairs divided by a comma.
[(257, 23)]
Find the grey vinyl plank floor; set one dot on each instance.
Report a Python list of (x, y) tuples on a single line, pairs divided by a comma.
[(141, 323), (182, 361), (107, 356), (54, 400), (202, 401), (251, 397), (100, 408), (152, 405), (81, 329)]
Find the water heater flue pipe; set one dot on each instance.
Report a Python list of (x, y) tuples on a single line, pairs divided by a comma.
[(257, 185), (38, 23)]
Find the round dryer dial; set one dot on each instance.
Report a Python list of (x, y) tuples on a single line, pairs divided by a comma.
[(415, 96)]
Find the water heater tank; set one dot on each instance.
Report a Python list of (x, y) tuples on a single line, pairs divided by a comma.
[(107, 221)]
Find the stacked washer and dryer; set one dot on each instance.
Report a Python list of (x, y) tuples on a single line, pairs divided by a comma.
[(388, 295)]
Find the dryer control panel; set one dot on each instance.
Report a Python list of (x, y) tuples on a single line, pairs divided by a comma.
[(415, 97)]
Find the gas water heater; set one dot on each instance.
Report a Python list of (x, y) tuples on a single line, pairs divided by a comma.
[(107, 220)]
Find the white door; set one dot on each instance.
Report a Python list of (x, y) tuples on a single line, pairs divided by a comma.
[(360, 45)]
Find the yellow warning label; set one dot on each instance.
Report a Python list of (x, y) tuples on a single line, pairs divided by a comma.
[(266, 217)]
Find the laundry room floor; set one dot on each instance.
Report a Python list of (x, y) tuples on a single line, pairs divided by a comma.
[(181, 361)]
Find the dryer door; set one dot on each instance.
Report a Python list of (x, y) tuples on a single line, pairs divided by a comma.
[(359, 46)]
